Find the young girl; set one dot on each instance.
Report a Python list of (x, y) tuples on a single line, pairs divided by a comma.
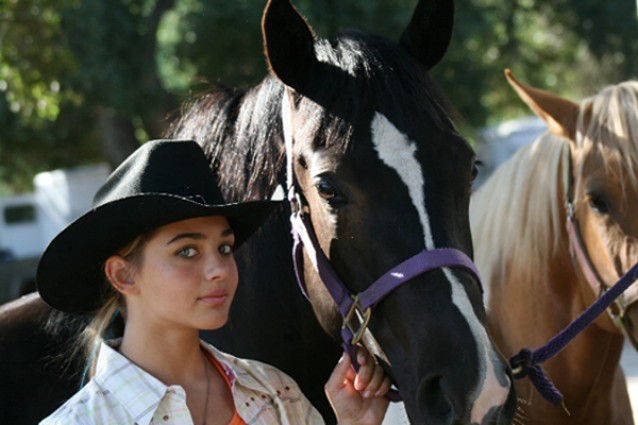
[(157, 248)]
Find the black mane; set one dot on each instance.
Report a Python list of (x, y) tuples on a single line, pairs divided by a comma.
[(235, 127)]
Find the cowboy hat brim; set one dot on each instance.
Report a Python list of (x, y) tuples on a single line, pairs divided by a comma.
[(70, 273)]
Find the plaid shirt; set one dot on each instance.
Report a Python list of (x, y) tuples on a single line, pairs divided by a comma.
[(122, 393)]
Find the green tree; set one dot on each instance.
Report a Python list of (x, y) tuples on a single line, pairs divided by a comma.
[(88, 80), (80, 83), (573, 48)]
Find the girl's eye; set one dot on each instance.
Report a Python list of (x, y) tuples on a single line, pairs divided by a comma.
[(226, 249), (187, 252)]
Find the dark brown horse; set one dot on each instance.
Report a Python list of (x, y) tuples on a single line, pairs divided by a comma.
[(384, 175), (542, 273)]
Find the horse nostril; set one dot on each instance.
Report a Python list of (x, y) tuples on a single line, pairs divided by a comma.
[(434, 401)]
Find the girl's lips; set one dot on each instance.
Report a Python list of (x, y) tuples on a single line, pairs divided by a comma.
[(214, 298)]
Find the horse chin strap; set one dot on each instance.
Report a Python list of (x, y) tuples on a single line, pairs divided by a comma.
[(355, 309), (580, 255)]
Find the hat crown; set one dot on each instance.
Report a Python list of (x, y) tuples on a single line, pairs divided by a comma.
[(167, 167), (162, 182)]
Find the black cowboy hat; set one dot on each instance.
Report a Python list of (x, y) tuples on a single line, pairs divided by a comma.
[(161, 182)]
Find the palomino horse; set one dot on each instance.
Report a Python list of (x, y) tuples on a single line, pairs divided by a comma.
[(382, 176), (542, 273)]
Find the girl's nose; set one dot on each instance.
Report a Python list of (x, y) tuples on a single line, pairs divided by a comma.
[(218, 266)]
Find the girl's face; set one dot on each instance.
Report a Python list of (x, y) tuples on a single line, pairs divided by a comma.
[(187, 276)]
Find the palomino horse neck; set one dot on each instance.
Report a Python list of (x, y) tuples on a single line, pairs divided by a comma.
[(522, 248)]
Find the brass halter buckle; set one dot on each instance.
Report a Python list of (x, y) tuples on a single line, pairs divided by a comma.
[(362, 318)]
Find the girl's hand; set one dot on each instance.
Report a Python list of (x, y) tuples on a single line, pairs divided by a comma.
[(358, 399)]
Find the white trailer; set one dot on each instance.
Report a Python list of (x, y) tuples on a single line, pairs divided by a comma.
[(29, 221)]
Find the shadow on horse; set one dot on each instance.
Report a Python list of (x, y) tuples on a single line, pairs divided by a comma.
[(553, 228), (382, 176)]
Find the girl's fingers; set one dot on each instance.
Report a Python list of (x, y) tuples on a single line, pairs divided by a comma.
[(339, 374), (376, 381), (366, 369), (384, 387), (369, 381)]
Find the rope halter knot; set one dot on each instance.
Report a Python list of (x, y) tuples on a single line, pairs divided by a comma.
[(524, 364)]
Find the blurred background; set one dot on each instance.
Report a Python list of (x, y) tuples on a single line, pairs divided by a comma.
[(86, 81)]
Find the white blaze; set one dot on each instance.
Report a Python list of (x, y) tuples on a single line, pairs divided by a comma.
[(398, 153)]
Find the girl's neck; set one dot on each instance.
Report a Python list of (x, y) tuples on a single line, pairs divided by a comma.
[(173, 357)]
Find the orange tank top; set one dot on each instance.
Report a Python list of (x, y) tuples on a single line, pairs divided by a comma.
[(236, 420)]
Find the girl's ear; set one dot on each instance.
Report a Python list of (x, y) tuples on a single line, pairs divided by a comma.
[(119, 273)]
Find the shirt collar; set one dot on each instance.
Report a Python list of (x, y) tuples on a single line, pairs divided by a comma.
[(247, 373), (137, 391), (140, 393)]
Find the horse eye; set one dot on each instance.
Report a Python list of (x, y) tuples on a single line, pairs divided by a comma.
[(599, 204), (475, 170), (326, 190)]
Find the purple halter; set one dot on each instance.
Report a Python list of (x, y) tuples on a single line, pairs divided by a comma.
[(355, 309)]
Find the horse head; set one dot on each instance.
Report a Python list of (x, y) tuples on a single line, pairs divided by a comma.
[(600, 138), (384, 175)]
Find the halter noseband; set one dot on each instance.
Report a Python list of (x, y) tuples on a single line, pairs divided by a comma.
[(355, 309)]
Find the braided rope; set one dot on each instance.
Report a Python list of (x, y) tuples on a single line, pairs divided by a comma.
[(527, 362)]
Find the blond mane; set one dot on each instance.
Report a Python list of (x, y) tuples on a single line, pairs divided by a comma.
[(518, 214)]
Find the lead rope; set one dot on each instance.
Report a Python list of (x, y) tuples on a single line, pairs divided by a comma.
[(527, 362)]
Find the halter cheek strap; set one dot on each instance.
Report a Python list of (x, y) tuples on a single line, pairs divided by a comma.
[(355, 309), (580, 255)]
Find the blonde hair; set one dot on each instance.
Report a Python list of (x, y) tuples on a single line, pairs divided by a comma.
[(93, 334), (517, 214)]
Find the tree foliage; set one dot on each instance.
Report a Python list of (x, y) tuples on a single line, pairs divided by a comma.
[(88, 80), (30, 75)]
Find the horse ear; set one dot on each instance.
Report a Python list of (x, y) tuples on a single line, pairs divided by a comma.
[(288, 43), (428, 34), (559, 114)]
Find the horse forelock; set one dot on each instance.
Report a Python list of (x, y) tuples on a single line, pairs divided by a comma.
[(517, 214), (607, 127), (372, 74)]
